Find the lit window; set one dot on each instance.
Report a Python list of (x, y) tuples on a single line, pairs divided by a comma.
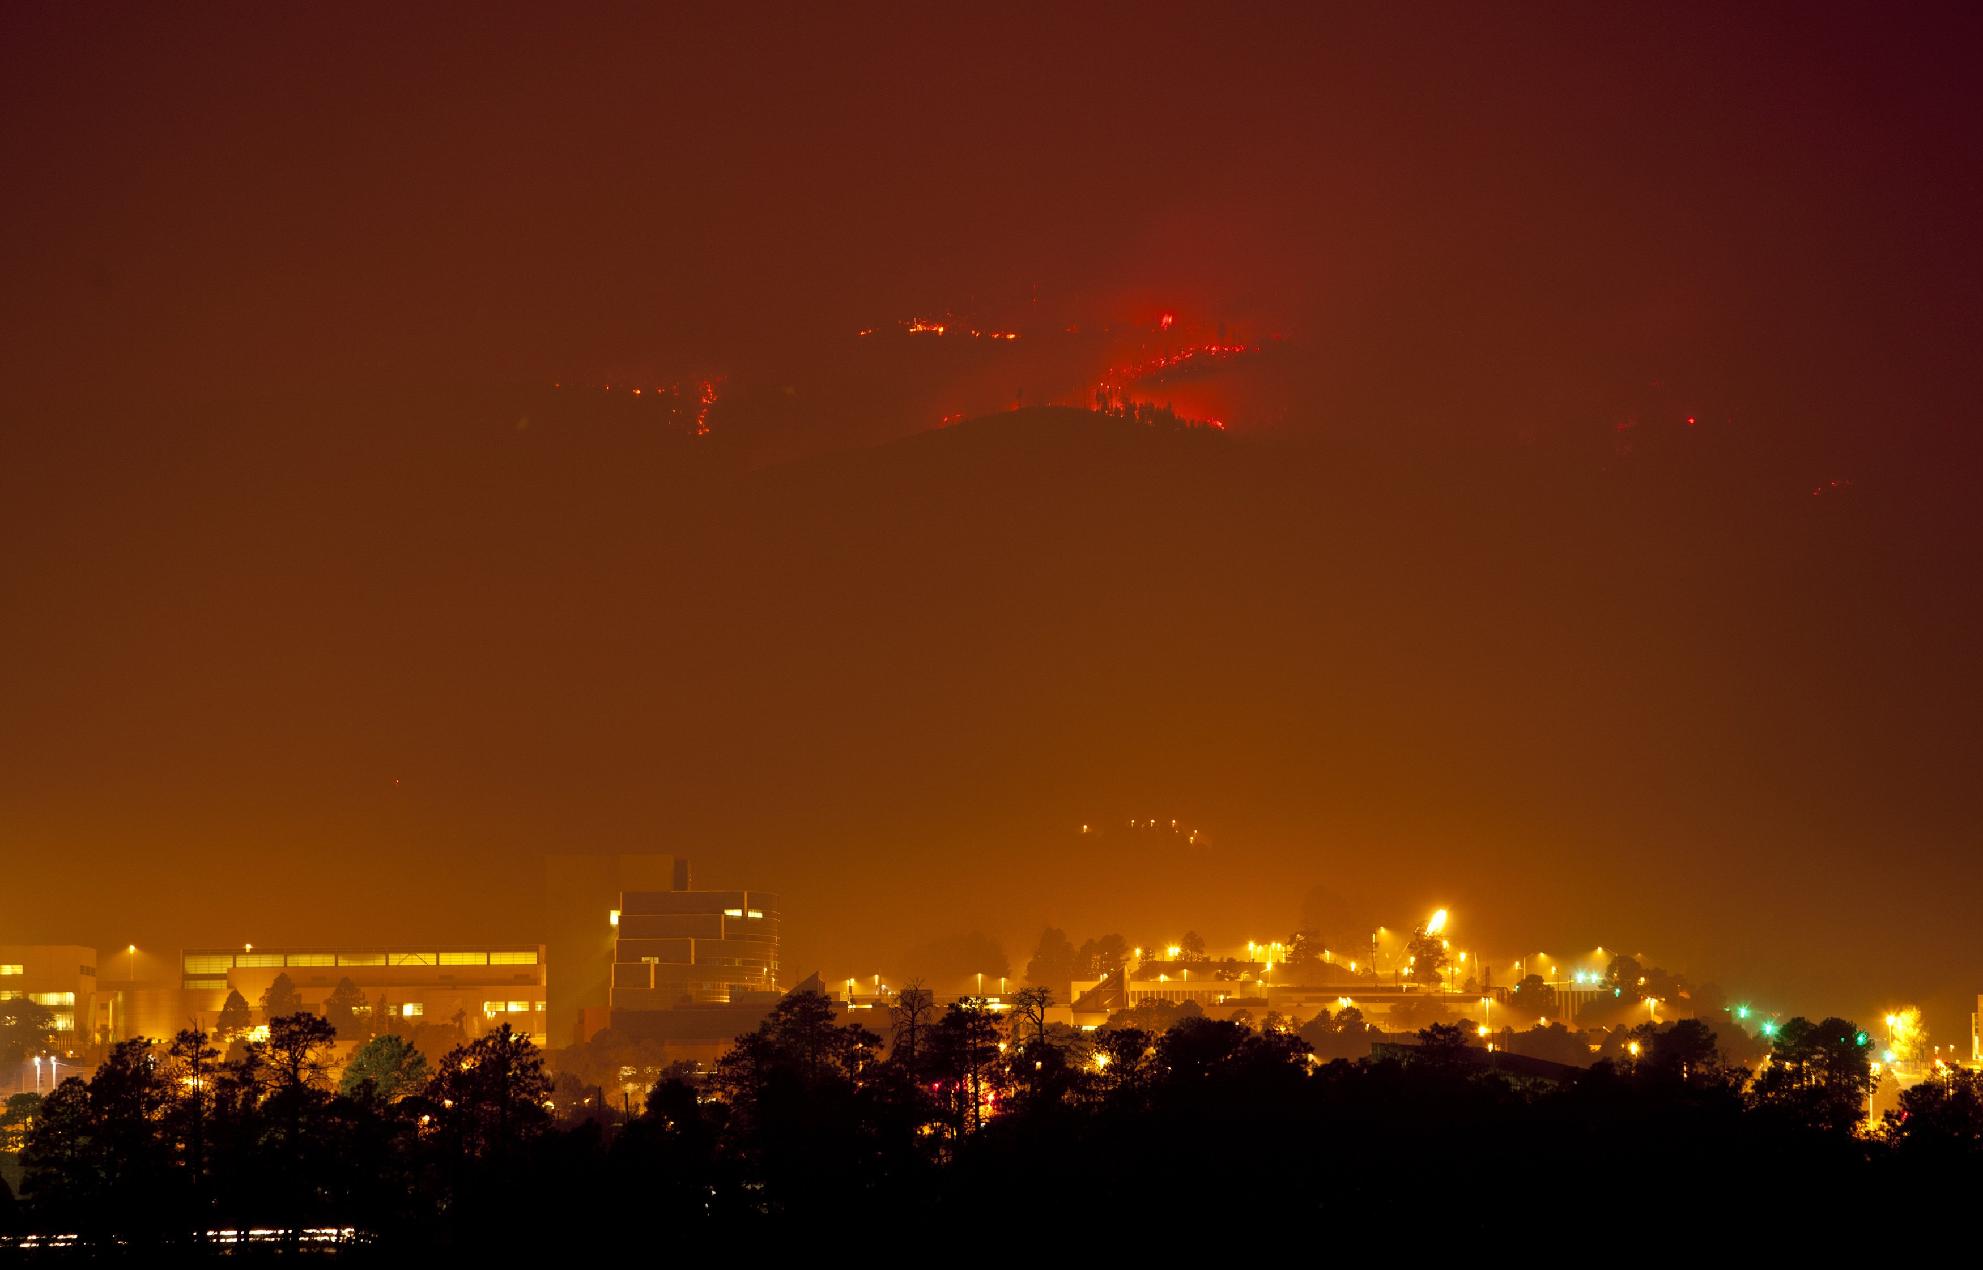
[(361, 959), (209, 963), (613, 917), (412, 1009), (464, 959), (755, 914), (733, 912), (491, 1009), (62, 1021), (519, 1007), (412, 959), (13, 968), (248, 960), (53, 998), (513, 958), (312, 959), (540, 1007), (11, 996)]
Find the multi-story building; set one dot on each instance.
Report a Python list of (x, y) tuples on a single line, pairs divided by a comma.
[(687, 947), (635, 946), (471, 988), (63, 979), (580, 894)]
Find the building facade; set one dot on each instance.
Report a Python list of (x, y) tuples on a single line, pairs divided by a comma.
[(580, 894), (61, 978), (687, 947), (473, 989)]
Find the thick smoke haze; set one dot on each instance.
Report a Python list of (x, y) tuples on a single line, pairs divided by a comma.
[(326, 614)]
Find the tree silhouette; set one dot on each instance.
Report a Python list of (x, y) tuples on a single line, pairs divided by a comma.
[(1030, 1006), (348, 1011), (802, 1123), (1625, 977), (913, 1007), (1533, 996), (964, 1053), (1939, 1122), (1819, 1075), (1427, 955), (190, 1071), (1054, 962), (280, 998), (26, 1028), (234, 1016), (491, 1093)]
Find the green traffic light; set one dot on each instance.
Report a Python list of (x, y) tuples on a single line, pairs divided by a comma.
[(1861, 1040), (1741, 1011)]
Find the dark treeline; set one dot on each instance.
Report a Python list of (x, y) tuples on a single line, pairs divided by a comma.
[(966, 1112)]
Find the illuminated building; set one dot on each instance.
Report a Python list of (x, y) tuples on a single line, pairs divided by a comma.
[(473, 988), (62, 978), (580, 894), (688, 947), (693, 969), (634, 945)]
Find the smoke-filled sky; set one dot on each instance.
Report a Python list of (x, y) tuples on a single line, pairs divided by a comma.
[(1590, 547)]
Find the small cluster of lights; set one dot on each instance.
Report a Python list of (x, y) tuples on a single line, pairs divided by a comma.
[(944, 326), (704, 391)]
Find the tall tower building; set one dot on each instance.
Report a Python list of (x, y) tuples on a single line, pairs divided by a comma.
[(581, 893)]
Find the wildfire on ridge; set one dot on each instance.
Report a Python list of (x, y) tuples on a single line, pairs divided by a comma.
[(1192, 358)]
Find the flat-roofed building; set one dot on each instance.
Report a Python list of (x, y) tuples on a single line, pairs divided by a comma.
[(62, 979), (581, 891), (476, 988), (687, 947)]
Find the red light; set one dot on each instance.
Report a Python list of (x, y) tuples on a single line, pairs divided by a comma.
[(704, 401), (1690, 421), (1167, 321)]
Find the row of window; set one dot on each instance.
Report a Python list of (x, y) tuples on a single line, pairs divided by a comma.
[(12, 968), (418, 1009), (493, 1008), (42, 998), (206, 963)]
